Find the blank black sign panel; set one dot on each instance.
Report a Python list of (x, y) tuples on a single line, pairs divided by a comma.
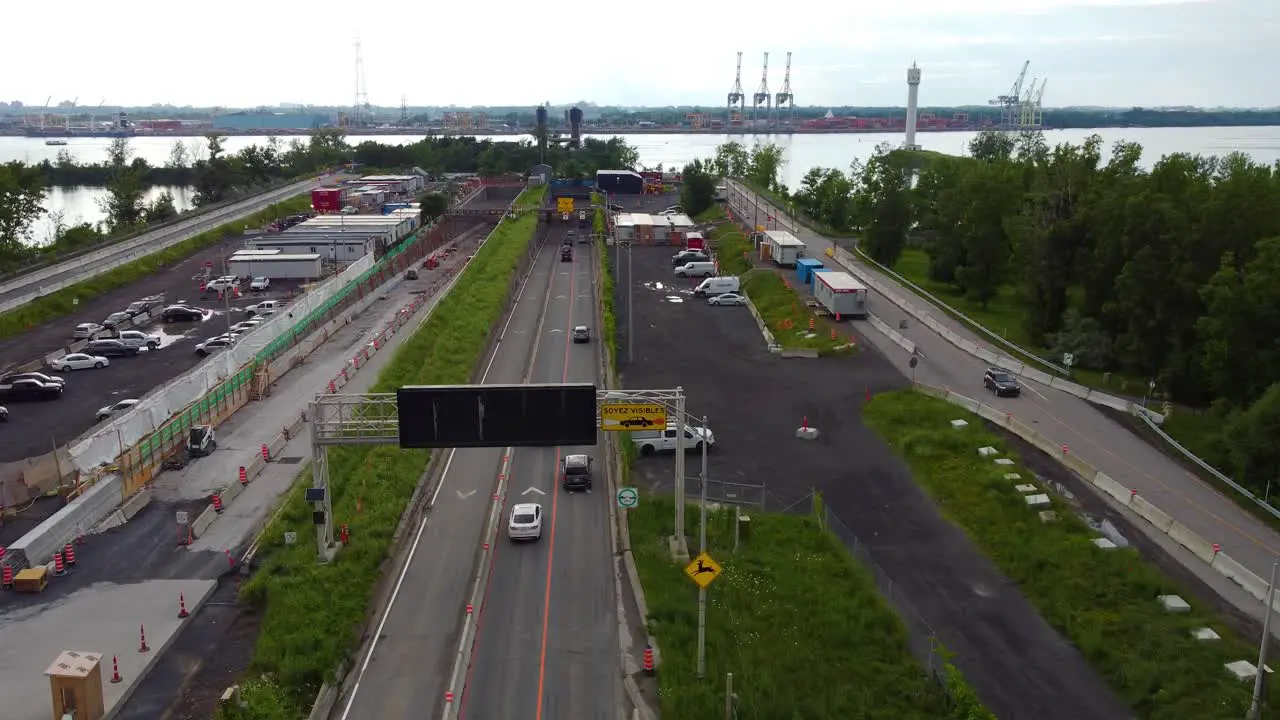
[(461, 416)]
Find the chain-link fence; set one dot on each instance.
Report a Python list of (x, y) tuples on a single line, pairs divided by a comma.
[(727, 493)]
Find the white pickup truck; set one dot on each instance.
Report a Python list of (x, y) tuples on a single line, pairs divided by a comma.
[(649, 442)]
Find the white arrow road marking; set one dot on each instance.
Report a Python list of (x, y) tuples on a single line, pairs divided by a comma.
[(561, 297), (533, 489), (465, 495), (556, 330)]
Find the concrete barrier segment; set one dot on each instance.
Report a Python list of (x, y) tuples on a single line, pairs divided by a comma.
[(1120, 493), (1188, 539), (1236, 572), (203, 522), (1152, 514)]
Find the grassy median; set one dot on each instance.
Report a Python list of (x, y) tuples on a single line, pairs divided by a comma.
[(797, 621), (64, 302), (1103, 601), (312, 612)]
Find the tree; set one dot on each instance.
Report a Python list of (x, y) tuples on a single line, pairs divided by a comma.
[(766, 163), (882, 195), (698, 193), (22, 194), (179, 156), (162, 208), (216, 146), (123, 204), (731, 160), (119, 152), (432, 206)]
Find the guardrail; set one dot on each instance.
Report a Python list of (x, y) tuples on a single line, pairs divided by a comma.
[(113, 256)]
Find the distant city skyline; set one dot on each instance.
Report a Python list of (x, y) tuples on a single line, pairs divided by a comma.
[(1095, 53)]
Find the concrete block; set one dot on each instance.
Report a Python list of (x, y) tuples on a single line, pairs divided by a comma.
[(134, 505), (987, 451), (1040, 500), (1012, 476), (1204, 633), (80, 516), (957, 423), (1025, 488), (1150, 513), (1003, 462), (1104, 483), (1048, 516), (807, 433), (231, 492), (1104, 544), (1173, 603), (1242, 670), (1198, 546), (203, 522), (1236, 572)]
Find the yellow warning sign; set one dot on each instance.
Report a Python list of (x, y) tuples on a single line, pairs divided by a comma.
[(623, 416), (703, 570), (564, 204)]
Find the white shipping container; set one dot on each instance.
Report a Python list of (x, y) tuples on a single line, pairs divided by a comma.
[(278, 267)]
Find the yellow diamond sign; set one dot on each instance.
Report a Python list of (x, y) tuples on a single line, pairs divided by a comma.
[(703, 570), (564, 204)]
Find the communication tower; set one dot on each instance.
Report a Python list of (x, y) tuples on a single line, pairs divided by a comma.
[(737, 99), (404, 111), (785, 98), (913, 105), (762, 96), (361, 111)]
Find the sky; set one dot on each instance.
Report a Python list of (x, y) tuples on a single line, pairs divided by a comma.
[(245, 53)]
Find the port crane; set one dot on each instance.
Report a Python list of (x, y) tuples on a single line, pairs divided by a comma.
[(762, 95), (785, 98), (93, 116), (1010, 103), (737, 98)]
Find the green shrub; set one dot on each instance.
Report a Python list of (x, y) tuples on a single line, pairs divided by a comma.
[(797, 621), (312, 611), (64, 302), (1103, 601)]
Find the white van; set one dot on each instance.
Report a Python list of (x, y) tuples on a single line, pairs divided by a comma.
[(718, 286), (264, 308), (648, 442), (696, 269)]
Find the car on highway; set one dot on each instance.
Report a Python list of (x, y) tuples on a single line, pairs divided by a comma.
[(569, 237), (214, 344), (4, 414), (685, 257), (116, 318), (581, 334), (259, 284), (526, 522), (110, 347), (13, 377), (181, 313), (575, 472), (138, 339), (566, 254), (29, 388), (79, 361), (727, 299), (122, 406), (84, 331), (1001, 382)]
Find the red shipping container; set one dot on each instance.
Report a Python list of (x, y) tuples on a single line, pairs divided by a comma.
[(326, 199)]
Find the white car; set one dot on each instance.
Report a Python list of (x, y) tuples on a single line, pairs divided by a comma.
[(526, 522), (727, 299), (79, 361), (86, 331), (350, 210), (214, 344), (108, 411), (260, 283), (243, 327), (225, 283), (139, 339)]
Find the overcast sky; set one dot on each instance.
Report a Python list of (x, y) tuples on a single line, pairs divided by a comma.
[(240, 53)]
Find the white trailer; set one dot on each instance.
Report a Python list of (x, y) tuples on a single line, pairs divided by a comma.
[(841, 294), (783, 247), (277, 267)]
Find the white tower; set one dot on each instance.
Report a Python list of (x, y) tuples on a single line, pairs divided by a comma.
[(913, 100)]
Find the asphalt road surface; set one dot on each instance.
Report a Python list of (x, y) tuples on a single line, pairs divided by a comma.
[(35, 428), (405, 672), (1086, 431), (14, 289), (547, 643), (1020, 667)]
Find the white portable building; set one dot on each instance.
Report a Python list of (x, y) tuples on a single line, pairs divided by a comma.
[(278, 267), (783, 247), (840, 293)]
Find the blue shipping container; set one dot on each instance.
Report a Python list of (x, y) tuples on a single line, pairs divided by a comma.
[(806, 267)]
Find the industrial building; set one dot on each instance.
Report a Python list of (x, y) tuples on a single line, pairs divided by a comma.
[(653, 229), (270, 121)]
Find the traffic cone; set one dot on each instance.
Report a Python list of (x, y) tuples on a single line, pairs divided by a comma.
[(345, 535), (115, 669), (244, 476), (7, 577), (648, 659), (804, 422), (69, 554), (59, 569), (812, 324), (182, 606), (142, 639), (833, 333), (217, 503), (266, 457)]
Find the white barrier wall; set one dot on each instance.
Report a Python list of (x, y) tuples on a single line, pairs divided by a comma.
[(110, 441)]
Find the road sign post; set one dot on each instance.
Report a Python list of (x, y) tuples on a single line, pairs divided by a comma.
[(628, 498), (1068, 360), (703, 571)]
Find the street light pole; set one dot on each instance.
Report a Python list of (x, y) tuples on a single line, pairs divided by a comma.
[(631, 316), (702, 547), (1255, 707), (680, 426)]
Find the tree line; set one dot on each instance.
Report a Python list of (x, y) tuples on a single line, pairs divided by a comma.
[(1170, 274)]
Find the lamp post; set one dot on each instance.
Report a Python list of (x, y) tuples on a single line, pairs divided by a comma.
[(702, 547)]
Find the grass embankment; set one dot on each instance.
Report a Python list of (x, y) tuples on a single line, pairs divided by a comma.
[(311, 612), (609, 333), (797, 621), (1103, 601), (777, 296), (64, 302)]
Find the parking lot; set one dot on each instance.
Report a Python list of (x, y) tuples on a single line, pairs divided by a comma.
[(755, 401), (36, 427)]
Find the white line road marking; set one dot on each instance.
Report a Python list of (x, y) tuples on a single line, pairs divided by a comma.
[(465, 495), (1038, 394)]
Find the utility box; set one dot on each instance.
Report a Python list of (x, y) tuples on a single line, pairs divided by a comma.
[(75, 681)]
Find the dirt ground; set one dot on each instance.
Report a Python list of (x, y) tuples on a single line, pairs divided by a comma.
[(1020, 667)]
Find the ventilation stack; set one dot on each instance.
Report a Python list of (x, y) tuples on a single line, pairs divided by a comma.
[(575, 128)]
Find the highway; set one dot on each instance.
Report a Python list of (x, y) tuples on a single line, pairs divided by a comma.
[(547, 634), (1069, 421), (20, 290)]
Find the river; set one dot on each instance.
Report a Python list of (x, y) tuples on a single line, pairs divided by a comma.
[(802, 152)]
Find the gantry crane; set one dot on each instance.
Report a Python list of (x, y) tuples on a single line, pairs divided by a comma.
[(1010, 103), (762, 96), (785, 98), (736, 98)]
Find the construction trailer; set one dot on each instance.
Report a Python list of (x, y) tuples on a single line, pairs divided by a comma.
[(782, 247), (805, 268), (840, 293), (278, 267), (339, 247)]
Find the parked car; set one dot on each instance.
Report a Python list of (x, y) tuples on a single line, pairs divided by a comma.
[(182, 313), (526, 522), (108, 411), (350, 210), (137, 307), (1001, 382), (696, 269), (581, 334), (687, 256), (31, 389), (616, 208), (226, 283), (727, 299), (259, 284), (116, 318), (110, 348), (138, 339), (649, 442), (85, 331), (245, 326), (263, 307), (214, 344), (673, 210), (13, 377), (79, 361)]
